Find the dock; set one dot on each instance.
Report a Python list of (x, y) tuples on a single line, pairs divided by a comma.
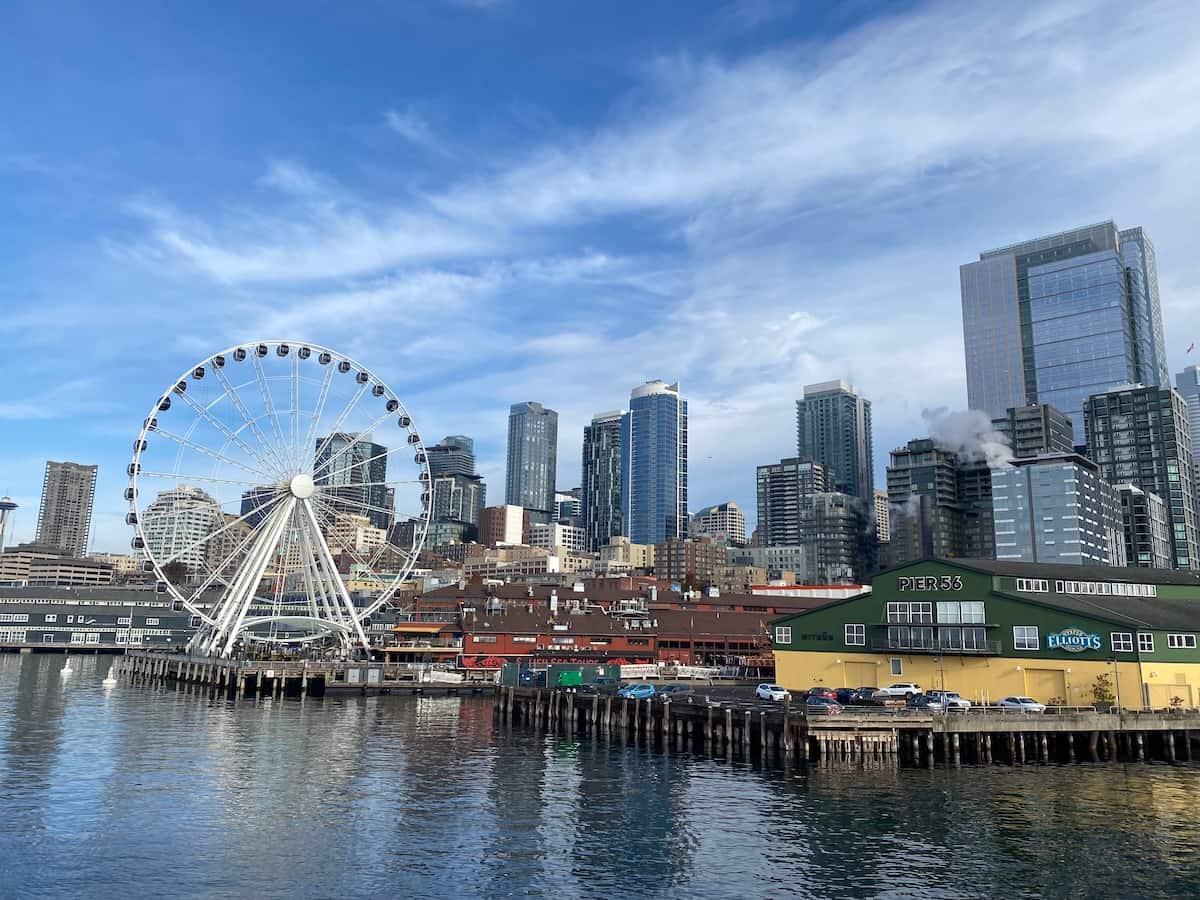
[(283, 678), (863, 735)]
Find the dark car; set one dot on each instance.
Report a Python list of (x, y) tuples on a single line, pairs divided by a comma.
[(817, 705), (863, 696), (600, 685), (675, 691), (845, 696), (826, 692)]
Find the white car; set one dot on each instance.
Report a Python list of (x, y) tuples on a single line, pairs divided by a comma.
[(950, 699), (1022, 704), (905, 689), (771, 692)]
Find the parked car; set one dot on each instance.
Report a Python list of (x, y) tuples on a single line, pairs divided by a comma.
[(926, 702), (637, 691), (819, 692), (816, 705), (1022, 704), (905, 689), (675, 691), (771, 692), (954, 702), (845, 695), (602, 685)]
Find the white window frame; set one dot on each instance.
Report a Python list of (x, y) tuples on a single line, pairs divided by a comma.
[(1022, 642), (1121, 641), (1145, 641), (51, 617), (897, 666), (1181, 641), (856, 637), (152, 621), (783, 634)]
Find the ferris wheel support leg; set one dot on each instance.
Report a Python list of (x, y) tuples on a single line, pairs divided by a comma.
[(339, 586), (255, 573)]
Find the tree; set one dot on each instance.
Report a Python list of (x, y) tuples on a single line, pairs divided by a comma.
[(176, 572), (1102, 694)]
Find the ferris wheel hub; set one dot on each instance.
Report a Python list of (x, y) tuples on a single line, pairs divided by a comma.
[(302, 486)]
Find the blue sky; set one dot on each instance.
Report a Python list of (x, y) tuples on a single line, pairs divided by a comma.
[(489, 202)]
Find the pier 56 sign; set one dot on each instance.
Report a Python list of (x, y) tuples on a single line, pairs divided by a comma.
[(1074, 640)]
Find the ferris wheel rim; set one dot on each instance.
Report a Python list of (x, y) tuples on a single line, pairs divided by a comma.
[(386, 590)]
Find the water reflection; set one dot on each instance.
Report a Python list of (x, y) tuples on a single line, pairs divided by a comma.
[(356, 795)]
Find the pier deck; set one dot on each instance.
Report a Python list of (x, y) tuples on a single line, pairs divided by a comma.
[(909, 737)]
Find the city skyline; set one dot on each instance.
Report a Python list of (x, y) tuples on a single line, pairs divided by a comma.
[(589, 221)]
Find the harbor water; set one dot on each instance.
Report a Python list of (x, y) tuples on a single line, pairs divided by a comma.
[(112, 791)]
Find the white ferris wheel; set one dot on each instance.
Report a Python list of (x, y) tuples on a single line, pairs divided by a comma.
[(279, 492)]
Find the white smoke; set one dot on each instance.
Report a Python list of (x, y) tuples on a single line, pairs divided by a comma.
[(969, 434)]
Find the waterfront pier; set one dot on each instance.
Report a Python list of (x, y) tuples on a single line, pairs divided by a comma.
[(282, 678), (863, 735)]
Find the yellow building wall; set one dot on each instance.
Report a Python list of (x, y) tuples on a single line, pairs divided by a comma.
[(988, 679)]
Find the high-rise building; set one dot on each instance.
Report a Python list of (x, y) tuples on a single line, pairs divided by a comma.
[(532, 459), (458, 498), (654, 472), (1036, 430), (941, 505), (65, 517), (556, 536), (569, 505), (500, 525), (355, 474), (836, 533), (176, 525), (1139, 435), (833, 427), (1187, 383), (783, 489), (600, 502), (455, 455), (1147, 526), (1059, 318), (1057, 508), (883, 517), (724, 523), (689, 562), (255, 504)]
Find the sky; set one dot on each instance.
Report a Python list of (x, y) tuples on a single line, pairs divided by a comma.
[(492, 202)]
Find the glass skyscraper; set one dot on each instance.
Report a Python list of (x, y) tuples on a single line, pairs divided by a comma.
[(600, 501), (532, 459), (1059, 318), (356, 472), (654, 464), (833, 427)]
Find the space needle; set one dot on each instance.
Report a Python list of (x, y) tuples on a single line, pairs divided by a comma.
[(7, 505)]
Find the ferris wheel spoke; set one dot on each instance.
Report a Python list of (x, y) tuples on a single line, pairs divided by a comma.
[(335, 500), (314, 583), (260, 509), (207, 415), (200, 448), (215, 574), (358, 439), (342, 594), (269, 404), (318, 411), (331, 534), (242, 594), (341, 419), (175, 476), (250, 421), (297, 457)]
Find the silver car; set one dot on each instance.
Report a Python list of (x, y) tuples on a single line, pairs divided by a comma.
[(1022, 704), (952, 700)]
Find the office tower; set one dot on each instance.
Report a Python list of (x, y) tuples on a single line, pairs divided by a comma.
[(532, 459), (1139, 435), (835, 531), (883, 517), (833, 427), (568, 505), (654, 479), (65, 517), (458, 498), (1187, 383), (941, 505), (176, 524), (689, 562), (501, 525), (255, 504), (1036, 430), (1057, 508), (354, 472), (455, 455), (555, 537), (783, 489), (600, 503), (1147, 526), (1059, 318), (724, 523)]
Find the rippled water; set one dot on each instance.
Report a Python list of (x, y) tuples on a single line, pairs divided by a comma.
[(110, 792)]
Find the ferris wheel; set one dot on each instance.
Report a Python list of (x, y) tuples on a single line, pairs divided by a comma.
[(279, 492)]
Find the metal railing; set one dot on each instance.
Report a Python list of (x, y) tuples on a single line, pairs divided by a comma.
[(986, 648)]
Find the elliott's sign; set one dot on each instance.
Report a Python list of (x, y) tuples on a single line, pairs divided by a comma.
[(1074, 640)]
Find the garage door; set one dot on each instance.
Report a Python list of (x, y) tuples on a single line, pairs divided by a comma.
[(1045, 685), (861, 674), (1159, 696)]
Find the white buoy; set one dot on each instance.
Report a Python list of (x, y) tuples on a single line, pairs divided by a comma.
[(66, 669), (110, 680)]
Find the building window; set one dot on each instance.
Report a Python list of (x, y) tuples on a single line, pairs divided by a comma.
[(524, 639), (1025, 637), (484, 639), (47, 639), (856, 635), (1122, 641), (152, 621), (562, 640), (639, 642), (1033, 585), (955, 613), (897, 666), (1181, 641), (783, 634), (51, 618), (1145, 642)]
